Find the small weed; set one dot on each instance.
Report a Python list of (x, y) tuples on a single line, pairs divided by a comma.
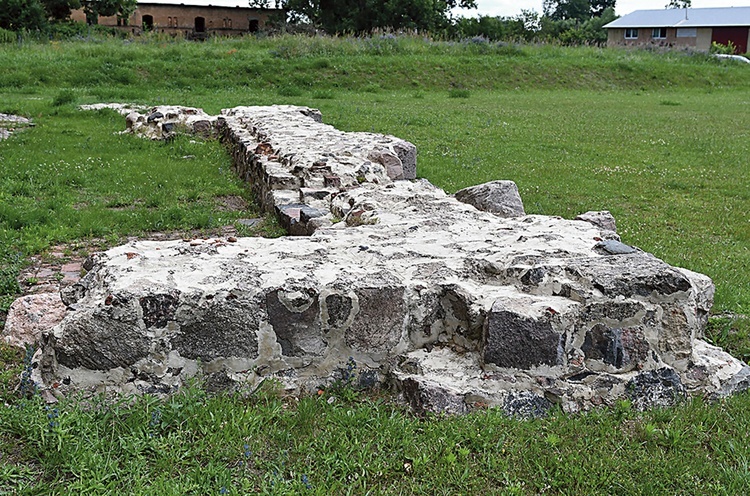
[(64, 97), (459, 93)]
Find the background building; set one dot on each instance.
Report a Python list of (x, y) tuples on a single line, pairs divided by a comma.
[(192, 18), (694, 28)]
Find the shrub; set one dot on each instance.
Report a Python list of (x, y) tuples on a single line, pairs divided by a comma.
[(7, 36), (727, 49)]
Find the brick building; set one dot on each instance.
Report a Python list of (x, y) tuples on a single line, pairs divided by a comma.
[(192, 18), (682, 28)]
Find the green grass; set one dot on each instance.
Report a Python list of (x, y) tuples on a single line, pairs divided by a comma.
[(658, 139), (199, 444)]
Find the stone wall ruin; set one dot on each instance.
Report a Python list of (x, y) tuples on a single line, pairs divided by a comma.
[(456, 306)]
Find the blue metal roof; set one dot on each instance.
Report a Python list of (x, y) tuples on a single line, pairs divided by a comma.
[(684, 18)]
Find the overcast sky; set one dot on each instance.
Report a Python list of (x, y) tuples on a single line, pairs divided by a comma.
[(510, 8)]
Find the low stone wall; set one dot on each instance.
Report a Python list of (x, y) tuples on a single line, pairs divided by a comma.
[(455, 306)]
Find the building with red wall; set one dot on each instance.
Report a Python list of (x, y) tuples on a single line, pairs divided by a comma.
[(682, 28)]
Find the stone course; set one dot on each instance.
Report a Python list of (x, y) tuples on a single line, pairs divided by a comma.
[(455, 306), (10, 123)]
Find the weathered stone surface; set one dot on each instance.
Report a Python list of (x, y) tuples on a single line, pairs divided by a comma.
[(295, 318), (624, 349), (614, 247), (457, 307), (427, 396), (714, 366), (526, 404), (10, 123), (30, 316), (107, 338), (602, 219), (515, 340), (498, 197), (221, 327), (655, 388)]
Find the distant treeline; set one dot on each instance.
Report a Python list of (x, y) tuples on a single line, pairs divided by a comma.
[(562, 21)]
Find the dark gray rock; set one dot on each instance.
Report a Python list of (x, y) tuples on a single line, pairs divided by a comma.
[(630, 275), (159, 309), (377, 325), (155, 116), (338, 309), (655, 388), (614, 247), (407, 152), (221, 327), (425, 396), (613, 310), (513, 340), (108, 338), (295, 318), (526, 405), (498, 197), (622, 348)]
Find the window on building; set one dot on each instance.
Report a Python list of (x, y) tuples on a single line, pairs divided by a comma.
[(631, 34), (169, 22), (175, 22), (659, 33), (229, 23), (254, 25), (687, 32)]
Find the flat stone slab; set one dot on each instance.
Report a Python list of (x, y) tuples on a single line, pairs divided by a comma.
[(457, 307)]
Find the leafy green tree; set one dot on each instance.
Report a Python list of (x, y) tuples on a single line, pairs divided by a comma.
[(17, 15), (60, 9), (521, 27), (581, 10), (123, 9), (362, 16), (599, 7), (679, 4)]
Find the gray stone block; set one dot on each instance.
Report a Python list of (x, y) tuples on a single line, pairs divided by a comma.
[(498, 197)]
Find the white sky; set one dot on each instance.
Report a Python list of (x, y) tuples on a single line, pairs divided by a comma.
[(510, 8)]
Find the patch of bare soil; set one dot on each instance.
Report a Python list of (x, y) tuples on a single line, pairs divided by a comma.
[(231, 203)]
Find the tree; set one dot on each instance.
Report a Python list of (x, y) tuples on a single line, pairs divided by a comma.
[(599, 7), (582, 10), (60, 9), (679, 4), (362, 16), (17, 15), (123, 9)]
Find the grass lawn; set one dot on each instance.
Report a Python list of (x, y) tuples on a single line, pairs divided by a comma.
[(659, 140)]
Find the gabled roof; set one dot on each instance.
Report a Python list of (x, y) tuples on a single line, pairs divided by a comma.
[(245, 4), (684, 18)]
